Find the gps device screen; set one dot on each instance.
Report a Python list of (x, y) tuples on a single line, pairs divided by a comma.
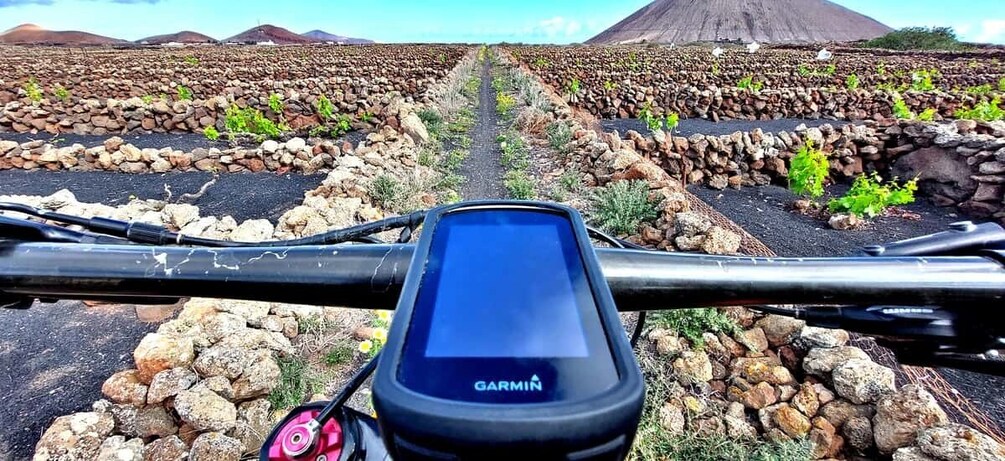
[(505, 313), (515, 299)]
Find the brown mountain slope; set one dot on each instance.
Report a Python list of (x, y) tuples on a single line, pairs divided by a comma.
[(269, 33), (30, 34), (185, 36), (766, 21)]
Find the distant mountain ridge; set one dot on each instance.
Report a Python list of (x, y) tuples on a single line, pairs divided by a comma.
[(765, 21), (269, 33), (31, 34), (185, 36), (327, 37)]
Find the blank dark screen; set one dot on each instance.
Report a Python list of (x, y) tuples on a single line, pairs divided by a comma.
[(505, 287)]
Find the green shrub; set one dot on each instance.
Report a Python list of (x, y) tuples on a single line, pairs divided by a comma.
[(621, 207), (869, 196), (192, 60), (900, 109), (652, 122), (519, 185), (1001, 84), (918, 38), (33, 90), (249, 120), (808, 171), (342, 125), (574, 87), (610, 86), (471, 87), (691, 323), (987, 111), (184, 93), (276, 103), (671, 121), (698, 447), (748, 83), (210, 133), (804, 70), (852, 82), (921, 80), (927, 115), (325, 107), (559, 135), (980, 90)]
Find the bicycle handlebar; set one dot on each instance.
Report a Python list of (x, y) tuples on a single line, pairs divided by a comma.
[(370, 276)]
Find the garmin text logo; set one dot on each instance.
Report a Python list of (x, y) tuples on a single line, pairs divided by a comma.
[(534, 385)]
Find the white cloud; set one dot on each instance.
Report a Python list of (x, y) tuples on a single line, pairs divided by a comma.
[(558, 26), (991, 31)]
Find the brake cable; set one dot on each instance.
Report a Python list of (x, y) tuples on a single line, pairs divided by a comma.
[(144, 233)]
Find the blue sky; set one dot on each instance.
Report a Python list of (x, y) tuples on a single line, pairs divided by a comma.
[(530, 21)]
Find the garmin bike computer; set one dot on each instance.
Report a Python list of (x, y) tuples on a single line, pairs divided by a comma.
[(506, 343)]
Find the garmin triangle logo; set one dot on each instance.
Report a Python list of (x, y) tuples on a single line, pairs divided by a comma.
[(531, 385)]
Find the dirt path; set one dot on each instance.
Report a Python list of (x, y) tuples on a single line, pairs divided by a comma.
[(482, 168), (762, 212)]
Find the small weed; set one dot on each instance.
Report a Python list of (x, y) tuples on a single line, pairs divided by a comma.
[(310, 325), (433, 122), (210, 133), (621, 207), (504, 103), (559, 135), (804, 70), (184, 93), (691, 323), (296, 383), (366, 117), (388, 193), (339, 354), (192, 60), (671, 121), (541, 63), (519, 185), (808, 171), (869, 196), (426, 157), (610, 86), (570, 181), (61, 93), (471, 87), (148, 99), (454, 159), (1001, 84)]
